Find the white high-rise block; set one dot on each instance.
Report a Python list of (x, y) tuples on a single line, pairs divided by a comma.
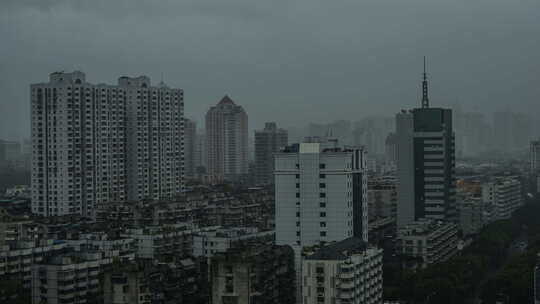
[(321, 195), (94, 144), (227, 141)]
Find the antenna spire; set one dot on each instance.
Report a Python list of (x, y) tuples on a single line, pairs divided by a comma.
[(425, 98)]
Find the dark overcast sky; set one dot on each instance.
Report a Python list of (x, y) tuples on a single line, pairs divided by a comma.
[(290, 61)]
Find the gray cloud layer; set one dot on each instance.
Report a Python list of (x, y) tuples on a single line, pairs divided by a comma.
[(291, 61)]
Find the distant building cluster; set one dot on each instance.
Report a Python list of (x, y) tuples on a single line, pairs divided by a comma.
[(130, 203)]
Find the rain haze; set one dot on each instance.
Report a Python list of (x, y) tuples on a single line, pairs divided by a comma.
[(292, 62)]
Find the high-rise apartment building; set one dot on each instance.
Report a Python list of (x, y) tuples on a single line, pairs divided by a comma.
[(95, 144), (425, 163), (321, 195), (200, 154), (190, 147), (535, 156), (227, 141), (267, 142)]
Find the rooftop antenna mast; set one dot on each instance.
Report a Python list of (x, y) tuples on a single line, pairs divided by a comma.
[(425, 98)]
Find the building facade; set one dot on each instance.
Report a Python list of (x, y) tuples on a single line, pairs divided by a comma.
[(343, 272), (66, 279), (268, 142), (425, 163), (162, 243), (144, 282), (428, 241), (320, 195), (208, 242), (190, 147), (473, 215), (504, 194), (17, 258), (253, 275), (94, 144), (382, 198), (535, 156), (227, 141)]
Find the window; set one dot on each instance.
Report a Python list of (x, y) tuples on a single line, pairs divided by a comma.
[(322, 175), (297, 233), (297, 194), (297, 175), (322, 194), (323, 233), (297, 185), (322, 166), (297, 214), (322, 185), (323, 214), (323, 224), (322, 205), (297, 224)]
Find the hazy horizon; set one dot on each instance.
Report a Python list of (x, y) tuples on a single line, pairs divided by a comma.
[(292, 62)]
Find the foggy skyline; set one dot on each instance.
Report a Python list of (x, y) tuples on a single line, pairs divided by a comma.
[(292, 62)]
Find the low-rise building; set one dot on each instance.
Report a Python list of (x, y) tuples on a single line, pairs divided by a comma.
[(122, 247), (428, 242), (145, 282), (504, 193), (474, 214), (348, 271), (17, 258), (20, 191), (382, 198), (252, 274), (68, 278), (209, 241), (163, 243)]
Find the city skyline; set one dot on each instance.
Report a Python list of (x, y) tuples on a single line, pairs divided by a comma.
[(282, 152), (278, 59)]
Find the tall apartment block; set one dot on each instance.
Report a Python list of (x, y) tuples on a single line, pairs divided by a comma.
[(267, 142), (200, 154), (227, 140), (425, 163), (190, 145), (321, 195), (535, 156), (95, 144)]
